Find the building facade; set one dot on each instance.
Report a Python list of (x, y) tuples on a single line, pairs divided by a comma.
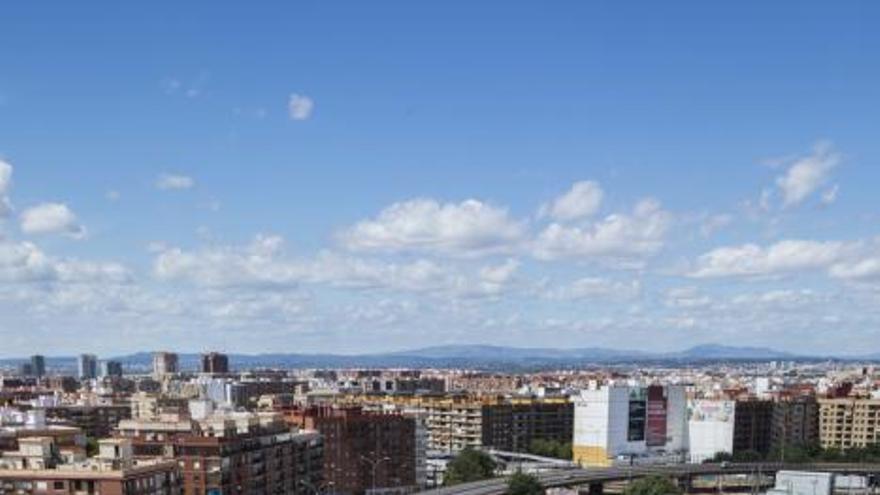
[(39, 468), (615, 422), (38, 366), (110, 369), (215, 363), (165, 363), (514, 426), (87, 366), (96, 421), (753, 426), (848, 422), (795, 423), (235, 454), (363, 451)]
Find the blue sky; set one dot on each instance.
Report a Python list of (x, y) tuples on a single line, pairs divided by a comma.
[(355, 177)]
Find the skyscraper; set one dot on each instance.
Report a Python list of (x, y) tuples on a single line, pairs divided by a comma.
[(215, 362), (164, 363), (38, 365), (87, 365), (110, 369)]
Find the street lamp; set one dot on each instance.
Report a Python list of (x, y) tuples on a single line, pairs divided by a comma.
[(374, 464)]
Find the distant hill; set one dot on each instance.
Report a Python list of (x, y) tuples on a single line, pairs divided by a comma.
[(506, 353), (465, 356), (715, 351)]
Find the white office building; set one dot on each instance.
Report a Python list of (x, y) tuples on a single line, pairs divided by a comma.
[(630, 424)]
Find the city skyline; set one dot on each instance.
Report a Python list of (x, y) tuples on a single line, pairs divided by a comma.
[(390, 177)]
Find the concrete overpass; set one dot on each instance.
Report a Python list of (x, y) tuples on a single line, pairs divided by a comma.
[(595, 478)]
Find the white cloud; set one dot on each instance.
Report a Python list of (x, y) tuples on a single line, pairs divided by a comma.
[(829, 196), (51, 218), (174, 181), (5, 183), (687, 298), (807, 174), (228, 266), (713, 223), (586, 288), (300, 107), (263, 264), (858, 269), (618, 236), (778, 298), (750, 260), (469, 228), (25, 262), (582, 200)]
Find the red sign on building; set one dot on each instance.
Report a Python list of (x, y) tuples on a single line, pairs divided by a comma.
[(656, 417)]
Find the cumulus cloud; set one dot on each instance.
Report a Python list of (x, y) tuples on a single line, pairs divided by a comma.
[(5, 183), (254, 264), (751, 260), (264, 264), (51, 218), (25, 262), (174, 181), (469, 228), (582, 200), (637, 234), (863, 269), (587, 288), (805, 175), (300, 107)]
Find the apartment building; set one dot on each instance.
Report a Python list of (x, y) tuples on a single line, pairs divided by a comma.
[(97, 421), (232, 453), (164, 364), (795, 423), (848, 422), (457, 421), (753, 426), (363, 451), (39, 467), (16, 425), (215, 363), (515, 425)]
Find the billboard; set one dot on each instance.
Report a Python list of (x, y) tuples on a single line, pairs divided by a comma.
[(711, 410), (710, 428), (656, 416)]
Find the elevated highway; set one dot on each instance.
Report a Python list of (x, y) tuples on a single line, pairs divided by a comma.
[(595, 478)]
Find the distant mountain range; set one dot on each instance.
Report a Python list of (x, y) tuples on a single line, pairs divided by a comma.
[(473, 356)]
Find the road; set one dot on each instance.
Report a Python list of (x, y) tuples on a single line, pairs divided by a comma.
[(572, 477)]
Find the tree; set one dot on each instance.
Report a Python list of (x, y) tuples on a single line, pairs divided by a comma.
[(551, 448), (524, 484), (91, 446), (469, 465), (653, 485), (719, 457)]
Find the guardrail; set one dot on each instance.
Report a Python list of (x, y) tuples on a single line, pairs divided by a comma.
[(596, 476)]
